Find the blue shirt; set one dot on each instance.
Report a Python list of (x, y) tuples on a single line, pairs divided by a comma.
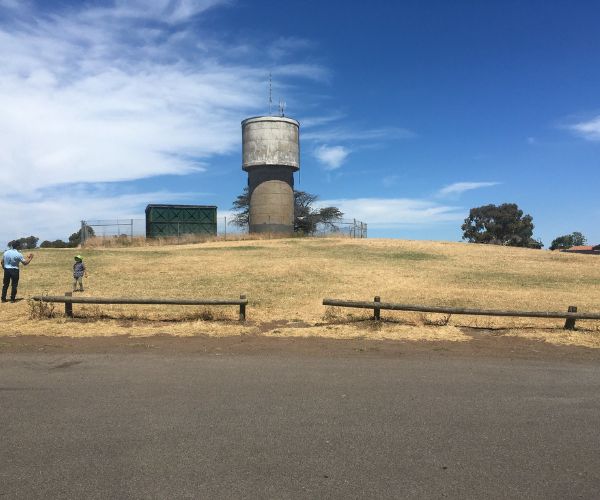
[(78, 269), (12, 258)]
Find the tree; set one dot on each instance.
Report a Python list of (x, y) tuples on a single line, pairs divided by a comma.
[(242, 206), (54, 244), (574, 239), (500, 225), (24, 243), (75, 238), (306, 217)]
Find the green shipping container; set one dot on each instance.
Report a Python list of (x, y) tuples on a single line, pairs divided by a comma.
[(163, 221)]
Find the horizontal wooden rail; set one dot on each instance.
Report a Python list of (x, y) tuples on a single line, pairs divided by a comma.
[(571, 315), (127, 300), (69, 300)]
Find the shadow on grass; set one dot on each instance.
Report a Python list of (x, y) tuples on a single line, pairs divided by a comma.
[(95, 314), (333, 317)]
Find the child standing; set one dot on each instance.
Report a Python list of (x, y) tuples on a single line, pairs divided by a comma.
[(78, 273)]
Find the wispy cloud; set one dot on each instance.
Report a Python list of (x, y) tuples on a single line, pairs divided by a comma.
[(459, 188), (395, 212), (310, 122), (314, 72), (126, 91), (589, 129), (348, 139), (285, 46), (82, 103), (55, 214), (399, 212), (166, 11), (12, 4), (358, 134), (331, 157)]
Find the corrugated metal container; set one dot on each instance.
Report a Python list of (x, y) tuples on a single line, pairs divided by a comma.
[(176, 220)]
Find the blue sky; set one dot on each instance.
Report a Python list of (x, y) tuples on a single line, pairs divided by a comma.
[(410, 112)]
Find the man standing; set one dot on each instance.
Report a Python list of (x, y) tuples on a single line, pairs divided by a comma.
[(10, 262)]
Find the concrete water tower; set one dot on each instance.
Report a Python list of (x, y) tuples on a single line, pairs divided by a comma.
[(271, 155)]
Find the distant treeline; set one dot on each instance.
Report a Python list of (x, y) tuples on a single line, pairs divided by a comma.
[(30, 242)]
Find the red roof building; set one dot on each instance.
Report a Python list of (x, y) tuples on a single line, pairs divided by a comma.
[(586, 249)]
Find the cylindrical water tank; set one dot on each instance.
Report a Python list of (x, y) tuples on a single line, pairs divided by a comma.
[(270, 140), (270, 155)]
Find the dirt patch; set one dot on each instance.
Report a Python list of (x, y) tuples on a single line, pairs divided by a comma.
[(66, 364), (277, 325), (481, 343)]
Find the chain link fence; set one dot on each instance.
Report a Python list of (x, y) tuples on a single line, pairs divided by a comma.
[(107, 230), (125, 231), (112, 228), (350, 228)]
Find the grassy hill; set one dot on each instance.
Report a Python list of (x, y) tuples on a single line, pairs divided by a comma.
[(286, 280)]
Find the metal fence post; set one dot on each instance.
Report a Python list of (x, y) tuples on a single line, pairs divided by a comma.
[(69, 305)]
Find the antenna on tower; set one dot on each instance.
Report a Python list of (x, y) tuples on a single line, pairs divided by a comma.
[(270, 95), (281, 108)]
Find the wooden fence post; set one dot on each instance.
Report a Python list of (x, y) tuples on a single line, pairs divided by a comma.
[(242, 309), (69, 305), (570, 322), (376, 310)]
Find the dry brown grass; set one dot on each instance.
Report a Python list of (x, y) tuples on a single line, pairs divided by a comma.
[(286, 280), (184, 239)]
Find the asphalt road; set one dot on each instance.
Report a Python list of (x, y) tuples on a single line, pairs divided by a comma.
[(277, 425)]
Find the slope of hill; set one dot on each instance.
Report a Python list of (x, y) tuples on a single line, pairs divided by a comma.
[(286, 280)]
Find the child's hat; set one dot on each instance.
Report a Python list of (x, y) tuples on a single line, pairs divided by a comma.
[(79, 257)]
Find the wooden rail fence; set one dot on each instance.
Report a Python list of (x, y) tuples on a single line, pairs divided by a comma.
[(571, 315), (69, 300)]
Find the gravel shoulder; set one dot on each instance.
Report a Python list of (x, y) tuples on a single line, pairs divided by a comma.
[(482, 343)]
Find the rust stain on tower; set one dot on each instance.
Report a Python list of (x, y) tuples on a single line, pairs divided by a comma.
[(271, 155)]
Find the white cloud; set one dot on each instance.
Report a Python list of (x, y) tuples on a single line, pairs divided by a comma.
[(589, 130), (80, 104), (460, 187), (309, 122), (166, 11), (331, 157), (393, 212), (108, 94), (312, 71), (285, 46), (57, 214), (83, 102)]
